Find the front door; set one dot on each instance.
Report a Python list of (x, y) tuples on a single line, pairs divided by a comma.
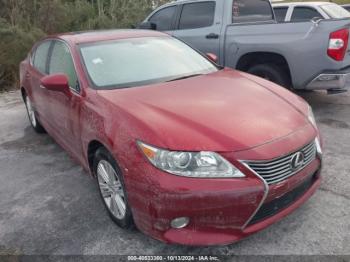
[(197, 26), (65, 109)]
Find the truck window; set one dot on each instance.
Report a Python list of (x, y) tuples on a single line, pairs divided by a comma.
[(304, 14), (280, 13), (251, 11), (164, 18), (197, 15)]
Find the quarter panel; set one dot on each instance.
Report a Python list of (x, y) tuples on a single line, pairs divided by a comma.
[(291, 40)]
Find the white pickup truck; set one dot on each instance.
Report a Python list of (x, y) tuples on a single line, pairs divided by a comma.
[(305, 11), (244, 34)]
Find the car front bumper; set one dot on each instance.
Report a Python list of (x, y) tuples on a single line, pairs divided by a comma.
[(221, 211), (224, 236), (336, 80)]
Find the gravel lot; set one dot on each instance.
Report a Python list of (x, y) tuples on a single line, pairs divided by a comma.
[(49, 205)]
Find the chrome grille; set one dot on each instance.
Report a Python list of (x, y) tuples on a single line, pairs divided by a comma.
[(277, 170)]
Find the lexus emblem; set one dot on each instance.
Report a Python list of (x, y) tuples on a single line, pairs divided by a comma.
[(297, 161)]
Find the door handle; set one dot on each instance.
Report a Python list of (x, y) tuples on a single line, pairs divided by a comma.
[(212, 36)]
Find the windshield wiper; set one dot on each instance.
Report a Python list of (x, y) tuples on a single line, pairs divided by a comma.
[(183, 77)]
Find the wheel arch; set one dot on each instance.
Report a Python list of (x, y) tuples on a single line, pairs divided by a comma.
[(23, 93), (92, 147), (248, 60)]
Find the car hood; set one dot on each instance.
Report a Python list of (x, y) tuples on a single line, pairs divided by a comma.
[(223, 111)]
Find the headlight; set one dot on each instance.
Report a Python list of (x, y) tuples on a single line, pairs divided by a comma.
[(190, 164), (311, 117)]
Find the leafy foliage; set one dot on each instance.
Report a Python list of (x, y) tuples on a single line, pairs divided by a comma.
[(23, 22)]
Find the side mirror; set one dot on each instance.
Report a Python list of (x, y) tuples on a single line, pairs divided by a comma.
[(148, 25), (212, 57), (57, 83)]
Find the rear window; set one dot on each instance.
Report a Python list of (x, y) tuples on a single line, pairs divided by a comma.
[(304, 14), (280, 13), (197, 15), (251, 11), (335, 11)]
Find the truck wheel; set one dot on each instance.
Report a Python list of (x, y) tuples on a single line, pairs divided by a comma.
[(272, 73), (112, 188), (32, 116)]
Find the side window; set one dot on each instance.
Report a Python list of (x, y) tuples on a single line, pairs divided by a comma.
[(197, 15), (61, 62), (251, 11), (40, 56), (280, 13), (304, 14), (164, 18)]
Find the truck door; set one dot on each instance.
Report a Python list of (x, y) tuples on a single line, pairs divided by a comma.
[(199, 25)]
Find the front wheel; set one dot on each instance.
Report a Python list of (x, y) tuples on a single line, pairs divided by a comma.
[(272, 73), (32, 116), (112, 188)]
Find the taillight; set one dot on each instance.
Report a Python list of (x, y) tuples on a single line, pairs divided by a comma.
[(338, 44)]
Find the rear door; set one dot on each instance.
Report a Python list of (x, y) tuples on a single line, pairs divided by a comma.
[(36, 71), (199, 25)]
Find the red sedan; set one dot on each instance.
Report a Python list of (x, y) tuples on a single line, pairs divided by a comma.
[(190, 152)]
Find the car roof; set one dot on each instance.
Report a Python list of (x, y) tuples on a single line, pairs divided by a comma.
[(303, 4), (105, 35)]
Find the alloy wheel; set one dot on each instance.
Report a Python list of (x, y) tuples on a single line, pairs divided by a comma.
[(31, 112), (111, 189)]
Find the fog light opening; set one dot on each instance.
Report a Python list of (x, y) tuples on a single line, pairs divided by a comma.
[(179, 222)]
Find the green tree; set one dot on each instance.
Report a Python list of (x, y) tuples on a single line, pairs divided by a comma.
[(23, 22)]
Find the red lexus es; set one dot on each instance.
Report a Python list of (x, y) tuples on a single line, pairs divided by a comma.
[(189, 152)]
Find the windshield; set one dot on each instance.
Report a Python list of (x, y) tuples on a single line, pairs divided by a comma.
[(142, 61), (335, 11)]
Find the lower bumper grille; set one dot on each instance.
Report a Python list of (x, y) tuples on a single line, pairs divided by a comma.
[(275, 206)]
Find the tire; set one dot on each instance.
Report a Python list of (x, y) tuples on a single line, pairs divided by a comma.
[(112, 188), (272, 73), (32, 116)]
